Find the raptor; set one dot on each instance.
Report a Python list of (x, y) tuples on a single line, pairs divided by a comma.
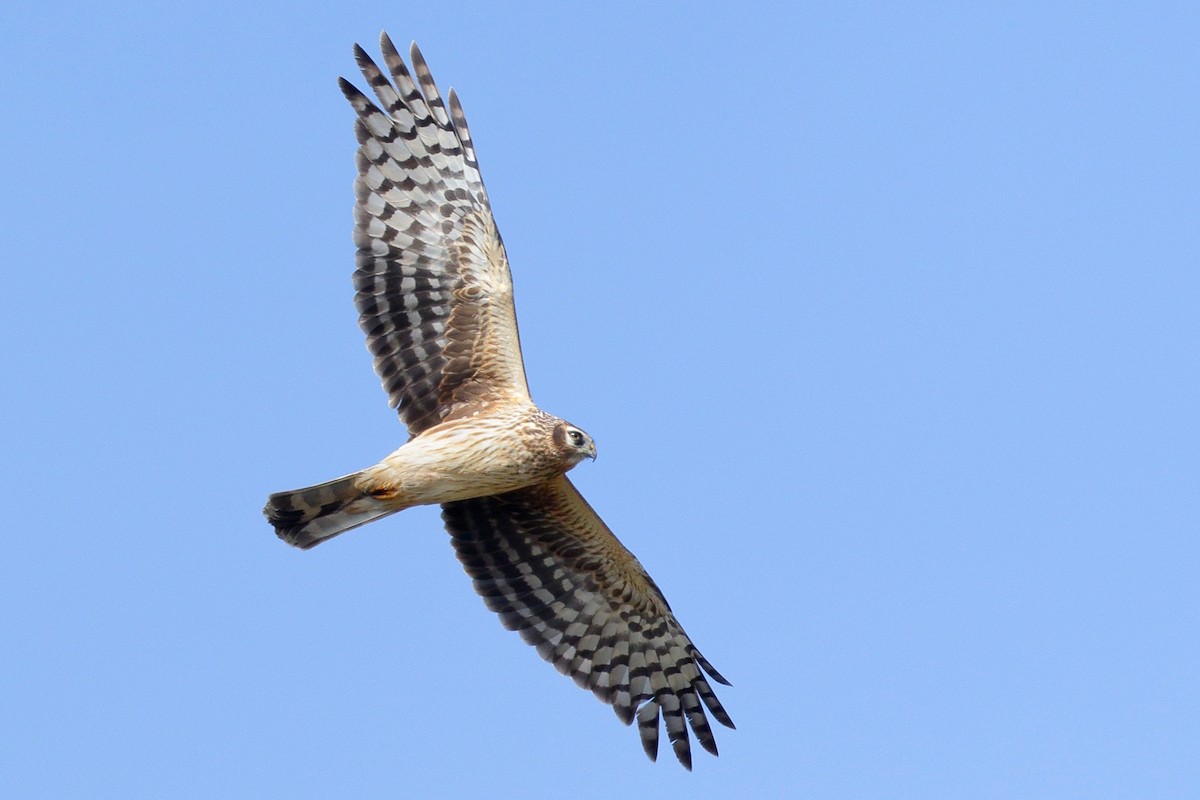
[(435, 300)]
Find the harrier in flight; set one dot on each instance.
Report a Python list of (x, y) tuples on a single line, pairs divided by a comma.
[(435, 300)]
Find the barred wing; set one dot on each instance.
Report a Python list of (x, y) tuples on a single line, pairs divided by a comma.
[(433, 288), (549, 566)]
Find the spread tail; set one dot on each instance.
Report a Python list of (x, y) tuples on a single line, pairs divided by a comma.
[(307, 517)]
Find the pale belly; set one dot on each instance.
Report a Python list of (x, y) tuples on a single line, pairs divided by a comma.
[(465, 459)]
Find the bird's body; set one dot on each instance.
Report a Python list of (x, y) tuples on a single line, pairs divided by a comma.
[(476, 456), (441, 466), (435, 300)]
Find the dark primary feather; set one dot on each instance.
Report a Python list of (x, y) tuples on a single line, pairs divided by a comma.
[(546, 563), (424, 230)]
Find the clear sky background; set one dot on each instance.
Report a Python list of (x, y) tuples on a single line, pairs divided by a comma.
[(886, 319)]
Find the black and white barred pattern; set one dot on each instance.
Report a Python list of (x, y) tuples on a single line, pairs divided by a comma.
[(432, 284), (548, 565)]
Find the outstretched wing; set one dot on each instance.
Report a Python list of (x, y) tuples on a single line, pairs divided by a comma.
[(549, 566), (432, 283)]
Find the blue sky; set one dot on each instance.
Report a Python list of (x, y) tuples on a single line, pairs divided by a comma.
[(884, 318)]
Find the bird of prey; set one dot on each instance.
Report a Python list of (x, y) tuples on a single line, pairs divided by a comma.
[(435, 300)]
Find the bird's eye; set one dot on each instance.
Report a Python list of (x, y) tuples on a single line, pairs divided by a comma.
[(576, 438)]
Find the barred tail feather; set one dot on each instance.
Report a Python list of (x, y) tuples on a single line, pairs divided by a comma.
[(306, 517)]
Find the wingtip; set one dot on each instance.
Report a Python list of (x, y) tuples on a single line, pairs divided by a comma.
[(350, 91), (683, 751), (708, 668), (647, 719)]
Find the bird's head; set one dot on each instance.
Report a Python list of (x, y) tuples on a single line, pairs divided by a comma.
[(573, 443)]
